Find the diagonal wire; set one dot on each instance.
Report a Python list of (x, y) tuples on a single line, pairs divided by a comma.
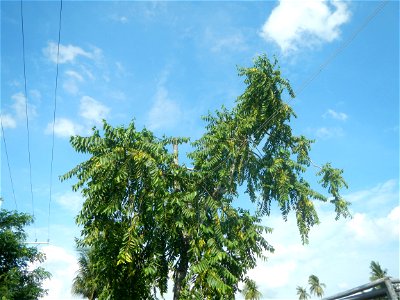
[(314, 75), (8, 162), (54, 122), (26, 112)]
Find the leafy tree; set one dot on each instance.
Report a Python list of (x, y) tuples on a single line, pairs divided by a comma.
[(302, 293), (250, 290), (84, 283), (17, 280), (146, 216), (316, 287), (376, 271)]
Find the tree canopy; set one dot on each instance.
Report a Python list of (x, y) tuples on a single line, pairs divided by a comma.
[(145, 216), (17, 279)]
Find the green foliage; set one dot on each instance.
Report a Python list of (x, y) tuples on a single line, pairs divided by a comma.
[(145, 216), (250, 290), (316, 287), (376, 271), (17, 280), (84, 283), (302, 293)]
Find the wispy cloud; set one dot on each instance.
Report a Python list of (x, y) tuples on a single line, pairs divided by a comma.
[(341, 116), (75, 75), (235, 42), (71, 83), (295, 24), (92, 110), (329, 132), (165, 112), (8, 121), (68, 53), (119, 18), (64, 128), (70, 201), (19, 106), (344, 247)]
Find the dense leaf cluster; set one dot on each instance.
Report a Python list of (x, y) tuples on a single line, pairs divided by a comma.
[(17, 279), (147, 218)]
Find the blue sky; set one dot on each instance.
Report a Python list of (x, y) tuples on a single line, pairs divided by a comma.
[(165, 64)]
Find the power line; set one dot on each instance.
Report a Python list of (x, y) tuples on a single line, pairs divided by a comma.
[(26, 111), (54, 122), (8, 162), (311, 78), (344, 45)]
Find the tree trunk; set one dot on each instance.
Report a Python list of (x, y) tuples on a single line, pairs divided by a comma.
[(181, 271)]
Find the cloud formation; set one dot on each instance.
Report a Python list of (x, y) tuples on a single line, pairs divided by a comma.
[(70, 201), (64, 128), (68, 53), (339, 251), (8, 121), (63, 266), (341, 116), (295, 24), (92, 110), (329, 132)]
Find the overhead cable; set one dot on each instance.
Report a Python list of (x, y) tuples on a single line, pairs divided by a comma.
[(26, 112), (8, 162), (54, 122)]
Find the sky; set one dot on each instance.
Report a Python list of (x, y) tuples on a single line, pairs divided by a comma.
[(164, 65)]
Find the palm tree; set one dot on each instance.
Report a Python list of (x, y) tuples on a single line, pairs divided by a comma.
[(84, 283), (302, 293), (316, 287), (250, 290), (376, 271)]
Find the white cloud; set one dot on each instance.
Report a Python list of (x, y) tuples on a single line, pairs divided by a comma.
[(341, 116), (68, 53), (75, 75), (63, 266), (8, 121), (234, 42), (19, 106), (381, 193), (64, 128), (329, 132), (368, 230), (71, 83), (71, 87), (92, 110), (340, 251), (119, 18), (297, 23), (165, 113), (70, 201)]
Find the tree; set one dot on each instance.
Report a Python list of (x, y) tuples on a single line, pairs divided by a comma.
[(84, 283), (376, 271), (316, 287), (302, 293), (17, 280), (250, 290), (146, 216)]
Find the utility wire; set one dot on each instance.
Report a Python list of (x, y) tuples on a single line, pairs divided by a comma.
[(311, 78), (8, 162), (54, 122), (344, 45), (26, 112)]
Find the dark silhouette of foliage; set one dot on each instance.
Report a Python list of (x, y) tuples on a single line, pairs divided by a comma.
[(17, 280)]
